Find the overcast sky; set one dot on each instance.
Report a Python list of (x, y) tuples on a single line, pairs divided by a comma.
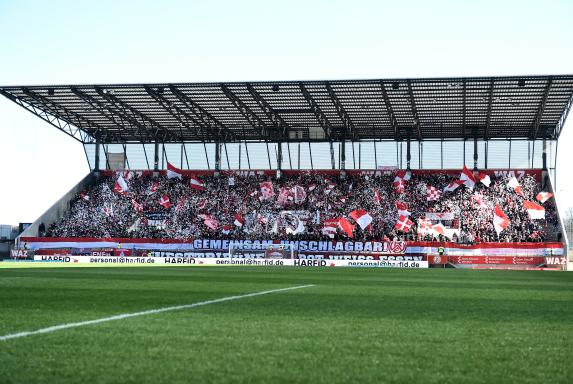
[(67, 42)]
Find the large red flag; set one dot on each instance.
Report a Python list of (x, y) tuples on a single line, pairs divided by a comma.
[(500, 220), (534, 210), (468, 178), (362, 218), (542, 197), (345, 225), (404, 224), (173, 172), (195, 183), (165, 202)]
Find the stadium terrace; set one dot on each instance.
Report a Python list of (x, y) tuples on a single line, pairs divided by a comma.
[(458, 171)]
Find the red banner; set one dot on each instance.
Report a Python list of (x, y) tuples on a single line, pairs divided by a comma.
[(507, 260), (504, 173)]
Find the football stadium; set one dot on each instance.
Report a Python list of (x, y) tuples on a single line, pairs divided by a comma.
[(384, 230)]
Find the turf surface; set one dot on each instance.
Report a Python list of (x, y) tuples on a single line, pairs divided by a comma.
[(355, 325)]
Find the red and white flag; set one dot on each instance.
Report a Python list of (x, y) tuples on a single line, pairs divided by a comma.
[(424, 226), (128, 175), (362, 218), (377, 197), (153, 188), (405, 175), (311, 187), (534, 210), (479, 200), (399, 185), (484, 179), (432, 194), (330, 227), (402, 209), (226, 229), (165, 202), (136, 206), (121, 186), (438, 229), (209, 221), (514, 184), (173, 172), (500, 220), (404, 224), (239, 221), (267, 190), (195, 183), (345, 225), (542, 197), (453, 186), (468, 178)]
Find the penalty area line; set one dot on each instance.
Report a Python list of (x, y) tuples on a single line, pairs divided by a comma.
[(148, 312)]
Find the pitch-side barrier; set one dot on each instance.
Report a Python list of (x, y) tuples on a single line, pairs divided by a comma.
[(230, 261)]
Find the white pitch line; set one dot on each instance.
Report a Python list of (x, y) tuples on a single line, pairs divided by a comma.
[(148, 312)]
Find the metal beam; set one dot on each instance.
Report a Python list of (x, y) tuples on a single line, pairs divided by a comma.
[(390, 111), (346, 120), (189, 122), (52, 119), (414, 111), (317, 111), (111, 115), (278, 122), (535, 127), (464, 102), (202, 115), (253, 119), (489, 108), (71, 117), (563, 117), (137, 118)]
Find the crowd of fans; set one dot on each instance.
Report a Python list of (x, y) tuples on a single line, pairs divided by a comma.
[(213, 211)]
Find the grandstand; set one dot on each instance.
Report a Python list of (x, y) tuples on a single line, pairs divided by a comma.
[(457, 171)]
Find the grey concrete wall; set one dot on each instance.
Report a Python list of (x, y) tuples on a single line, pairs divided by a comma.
[(56, 211), (5, 249), (560, 214)]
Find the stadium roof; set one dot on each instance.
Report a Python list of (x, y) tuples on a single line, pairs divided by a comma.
[(520, 107)]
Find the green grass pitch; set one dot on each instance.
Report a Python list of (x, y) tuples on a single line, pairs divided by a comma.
[(354, 325)]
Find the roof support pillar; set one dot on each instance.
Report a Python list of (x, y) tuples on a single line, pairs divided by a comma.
[(217, 157), (343, 154), (96, 165), (475, 149), (332, 161), (485, 154), (279, 158), (544, 156), (408, 154), (156, 156)]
